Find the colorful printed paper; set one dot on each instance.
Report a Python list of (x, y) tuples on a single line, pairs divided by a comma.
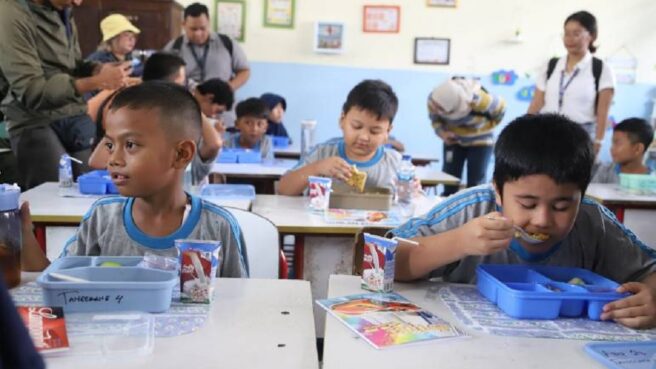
[(363, 217)]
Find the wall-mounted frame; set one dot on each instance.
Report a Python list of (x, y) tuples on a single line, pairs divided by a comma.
[(279, 13), (443, 3), (329, 37), (381, 18), (230, 18), (429, 50)]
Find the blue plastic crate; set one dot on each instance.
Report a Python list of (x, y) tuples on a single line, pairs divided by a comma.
[(229, 191), (227, 156), (124, 288), (543, 292), (249, 156), (97, 182), (280, 141)]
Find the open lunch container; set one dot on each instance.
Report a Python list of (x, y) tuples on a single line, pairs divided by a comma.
[(228, 191), (91, 287), (370, 199), (97, 182), (545, 292), (238, 155)]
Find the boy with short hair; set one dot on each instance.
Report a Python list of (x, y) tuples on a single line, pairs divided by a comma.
[(165, 66), (542, 169), (277, 106), (151, 133), (366, 121), (251, 127), (631, 139)]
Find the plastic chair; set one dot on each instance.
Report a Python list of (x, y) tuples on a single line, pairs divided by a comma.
[(358, 246), (265, 258)]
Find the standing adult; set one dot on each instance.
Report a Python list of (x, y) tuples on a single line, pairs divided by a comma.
[(464, 115), (42, 80), (578, 85), (208, 54)]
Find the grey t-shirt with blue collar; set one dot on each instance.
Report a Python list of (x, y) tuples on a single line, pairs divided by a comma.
[(597, 242), (607, 173), (264, 145)]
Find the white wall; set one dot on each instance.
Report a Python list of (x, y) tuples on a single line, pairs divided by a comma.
[(477, 29)]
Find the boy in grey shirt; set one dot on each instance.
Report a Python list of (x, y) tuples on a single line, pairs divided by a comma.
[(542, 169), (251, 125)]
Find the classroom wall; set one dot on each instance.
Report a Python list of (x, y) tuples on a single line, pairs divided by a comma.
[(315, 85)]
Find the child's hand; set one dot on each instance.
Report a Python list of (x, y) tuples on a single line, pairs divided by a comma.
[(635, 311), (26, 219), (334, 167), (487, 235)]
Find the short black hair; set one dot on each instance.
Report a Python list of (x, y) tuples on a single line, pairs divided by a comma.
[(549, 144), (196, 10), (587, 21), (638, 131), (162, 66), (374, 96), (179, 113), (223, 94), (252, 107)]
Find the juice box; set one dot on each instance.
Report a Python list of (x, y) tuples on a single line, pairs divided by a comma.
[(199, 261), (319, 192), (378, 263)]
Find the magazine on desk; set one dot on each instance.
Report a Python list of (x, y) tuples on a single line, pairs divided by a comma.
[(46, 326), (388, 319)]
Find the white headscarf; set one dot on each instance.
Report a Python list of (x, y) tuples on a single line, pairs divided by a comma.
[(455, 97)]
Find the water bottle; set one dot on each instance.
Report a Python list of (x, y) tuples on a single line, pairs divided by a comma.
[(405, 177), (10, 235), (269, 157), (307, 135), (65, 171)]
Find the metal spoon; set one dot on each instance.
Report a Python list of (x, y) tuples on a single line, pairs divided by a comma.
[(526, 236)]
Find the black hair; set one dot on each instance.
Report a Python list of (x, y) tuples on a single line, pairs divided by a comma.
[(179, 113), (223, 94), (549, 144), (162, 66), (587, 21), (196, 10), (100, 126), (374, 96), (638, 131), (252, 107)]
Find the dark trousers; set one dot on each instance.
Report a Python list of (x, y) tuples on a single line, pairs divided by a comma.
[(477, 158), (38, 149)]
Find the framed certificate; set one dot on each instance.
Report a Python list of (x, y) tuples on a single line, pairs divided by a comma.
[(279, 13), (381, 18), (329, 37), (432, 50), (230, 18)]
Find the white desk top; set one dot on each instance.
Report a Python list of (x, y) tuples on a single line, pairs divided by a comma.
[(245, 328), (343, 350), (291, 215), (610, 194), (47, 206)]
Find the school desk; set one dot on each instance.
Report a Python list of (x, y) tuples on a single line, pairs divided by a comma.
[(50, 210), (293, 151), (343, 350), (253, 323), (637, 212)]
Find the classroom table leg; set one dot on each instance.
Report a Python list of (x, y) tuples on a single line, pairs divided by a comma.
[(40, 234), (619, 212), (299, 245)]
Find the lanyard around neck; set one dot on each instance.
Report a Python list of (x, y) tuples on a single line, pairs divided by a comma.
[(562, 87), (200, 61)]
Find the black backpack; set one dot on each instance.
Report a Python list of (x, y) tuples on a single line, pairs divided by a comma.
[(597, 67), (225, 40)]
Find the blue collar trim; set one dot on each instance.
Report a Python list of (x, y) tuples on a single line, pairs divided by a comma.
[(236, 144), (525, 255), (380, 151)]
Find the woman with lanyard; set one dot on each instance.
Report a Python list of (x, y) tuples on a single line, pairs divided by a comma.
[(578, 85)]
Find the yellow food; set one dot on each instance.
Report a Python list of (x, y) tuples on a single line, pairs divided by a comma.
[(110, 264), (357, 179), (540, 236)]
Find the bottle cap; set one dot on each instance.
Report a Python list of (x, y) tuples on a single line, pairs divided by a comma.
[(9, 195), (311, 123)]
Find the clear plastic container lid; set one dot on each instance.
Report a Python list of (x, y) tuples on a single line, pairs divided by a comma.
[(9, 195)]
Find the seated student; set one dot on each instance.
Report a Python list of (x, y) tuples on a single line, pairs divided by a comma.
[(251, 127), (542, 169), (151, 132), (277, 107), (631, 139), (365, 122)]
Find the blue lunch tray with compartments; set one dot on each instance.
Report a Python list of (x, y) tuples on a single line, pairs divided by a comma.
[(545, 292)]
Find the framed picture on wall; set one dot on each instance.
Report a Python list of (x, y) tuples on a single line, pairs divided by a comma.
[(381, 18), (329, 37), (279, 13), (230, 18), (429, 50), (443, 3)]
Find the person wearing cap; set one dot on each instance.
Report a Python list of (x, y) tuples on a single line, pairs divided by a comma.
[(277, 107), (463, 115), (42, 82), (119, 37)]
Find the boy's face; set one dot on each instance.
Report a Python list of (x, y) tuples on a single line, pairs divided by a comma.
[(538, 204), (623, 150), (363, 133), (251, 129), (141, 156), (208, 106), (277, 113)]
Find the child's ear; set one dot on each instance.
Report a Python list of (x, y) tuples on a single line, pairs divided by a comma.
[(497, 194), (184, 153), (341, 121)]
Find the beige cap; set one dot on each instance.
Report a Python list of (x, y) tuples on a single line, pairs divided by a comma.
[(114, 24)]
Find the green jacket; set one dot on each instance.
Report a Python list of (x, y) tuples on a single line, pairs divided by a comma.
[(38, 65)]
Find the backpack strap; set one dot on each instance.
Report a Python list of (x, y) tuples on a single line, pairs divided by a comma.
[(225, 40), (551, 66), (177, 45), (597, 68)]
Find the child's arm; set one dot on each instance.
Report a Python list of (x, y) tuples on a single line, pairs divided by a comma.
[(212, 141), (484, 235), (294, 182), (33, 259), (637, 310)]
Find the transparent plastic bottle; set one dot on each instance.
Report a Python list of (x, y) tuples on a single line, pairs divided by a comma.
[(405, 177), (307, 135)]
